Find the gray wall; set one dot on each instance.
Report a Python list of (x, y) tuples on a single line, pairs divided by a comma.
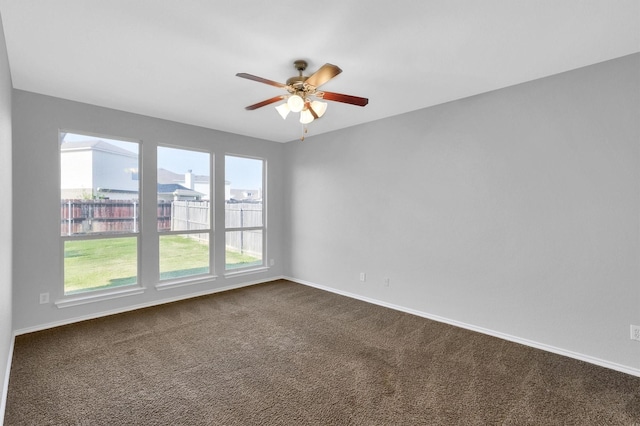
[(37, 248), (5, 224), (515, 212)]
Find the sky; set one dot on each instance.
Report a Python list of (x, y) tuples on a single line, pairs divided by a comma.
[(243, 173)]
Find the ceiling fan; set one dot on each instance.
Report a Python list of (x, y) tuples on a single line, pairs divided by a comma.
[(302, 89)]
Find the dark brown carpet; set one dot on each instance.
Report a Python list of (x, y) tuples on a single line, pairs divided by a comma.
[(285, 354)]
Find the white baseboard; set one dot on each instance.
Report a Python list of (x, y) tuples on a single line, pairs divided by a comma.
[(46, 326), (515, 339), (5, 385)]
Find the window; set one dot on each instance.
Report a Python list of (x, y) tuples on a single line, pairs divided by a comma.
[(244, 213), (184, 212), (100, 212)]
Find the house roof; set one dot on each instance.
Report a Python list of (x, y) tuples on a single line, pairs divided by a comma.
[(167, 176), (174, 188), (164, 188)]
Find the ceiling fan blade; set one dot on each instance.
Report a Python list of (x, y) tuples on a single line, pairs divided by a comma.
[(260, 79), (347, 99), (324, 74), (265, 102)]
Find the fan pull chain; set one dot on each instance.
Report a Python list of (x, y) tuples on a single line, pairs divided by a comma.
[(304, 131)]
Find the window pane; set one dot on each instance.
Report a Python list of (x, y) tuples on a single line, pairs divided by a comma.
[(243, 249), (183, 255), (189, 215), (99, 185), (243, 192), (184, 189), (244, 209), (98, 264), (243, 215)]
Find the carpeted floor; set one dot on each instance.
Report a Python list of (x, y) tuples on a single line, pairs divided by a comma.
[(285, 354)]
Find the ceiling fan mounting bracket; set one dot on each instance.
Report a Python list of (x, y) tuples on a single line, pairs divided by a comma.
[(300, 65)]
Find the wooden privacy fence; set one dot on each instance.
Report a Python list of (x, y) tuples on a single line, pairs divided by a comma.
[(245, 242), (98, 216), (115, 216), (244, 215), (189, 216)]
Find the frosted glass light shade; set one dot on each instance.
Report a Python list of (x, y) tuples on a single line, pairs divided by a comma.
[(319, 107), (296, 103), (283, 110), (306, 117)]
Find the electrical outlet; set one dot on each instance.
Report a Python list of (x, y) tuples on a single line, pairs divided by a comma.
[(272, 262), (363, 276), (44, 298), (635, 332), (386, 282)]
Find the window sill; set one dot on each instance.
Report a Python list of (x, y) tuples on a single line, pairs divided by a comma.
[(91, 298), (166, 285), (240, 272)]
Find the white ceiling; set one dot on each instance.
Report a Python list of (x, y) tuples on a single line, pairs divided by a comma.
[(177, 60)]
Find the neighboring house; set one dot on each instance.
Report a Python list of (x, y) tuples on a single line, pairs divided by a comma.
[(201, 184), (98, 169), (175, 192), (189, 180), (252, 195)]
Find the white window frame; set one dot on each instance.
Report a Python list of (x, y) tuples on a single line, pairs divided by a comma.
[(90, 295), (198, 278), (264, 265)]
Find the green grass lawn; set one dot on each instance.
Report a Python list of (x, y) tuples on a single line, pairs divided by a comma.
[(235, 260), (182, 257), (97, 264), (106, 263)]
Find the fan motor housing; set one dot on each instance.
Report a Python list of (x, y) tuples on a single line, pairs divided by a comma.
[(297, 81)]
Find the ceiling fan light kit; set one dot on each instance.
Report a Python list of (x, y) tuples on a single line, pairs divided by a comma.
[(301, 89), (283, 110), (318, 107), (296, 103)]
